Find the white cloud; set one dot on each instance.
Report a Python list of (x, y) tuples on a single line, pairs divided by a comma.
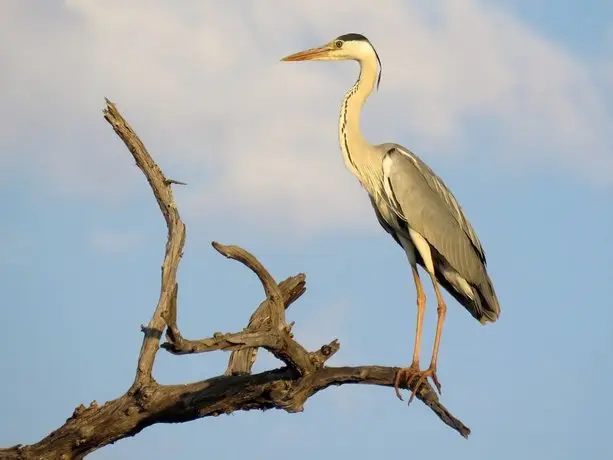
[(202, 84)]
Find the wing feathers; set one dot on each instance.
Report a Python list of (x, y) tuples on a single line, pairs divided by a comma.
[(421, 198)]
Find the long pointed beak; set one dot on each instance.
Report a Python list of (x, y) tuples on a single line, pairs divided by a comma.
[(308, 55)]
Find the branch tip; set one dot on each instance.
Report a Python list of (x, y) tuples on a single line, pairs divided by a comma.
[(173, 181), (271, 288)]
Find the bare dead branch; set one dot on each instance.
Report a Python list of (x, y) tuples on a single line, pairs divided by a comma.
[(326, 352), (273, 336), (174, 247), (147, 402), (385, 376), (251, 337), (174, 181), (271, 288), (241, 361), (95, 426), (170, 317), (233, 341)]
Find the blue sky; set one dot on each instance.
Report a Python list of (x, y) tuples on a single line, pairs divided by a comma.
[(509, 101)]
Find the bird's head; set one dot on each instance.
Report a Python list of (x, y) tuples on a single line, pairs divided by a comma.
[(351, 46)]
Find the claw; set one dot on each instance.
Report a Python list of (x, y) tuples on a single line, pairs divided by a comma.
[(396, 382), (410, 374), (405, 373), (436, 383)]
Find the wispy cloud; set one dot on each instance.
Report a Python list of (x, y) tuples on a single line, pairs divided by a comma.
[(201, 82)]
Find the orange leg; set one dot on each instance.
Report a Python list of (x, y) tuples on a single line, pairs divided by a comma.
[(431, 371), (412, 373), (442, 313), (413, 369)]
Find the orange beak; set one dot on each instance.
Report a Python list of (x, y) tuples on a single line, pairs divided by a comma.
[(308, 55)]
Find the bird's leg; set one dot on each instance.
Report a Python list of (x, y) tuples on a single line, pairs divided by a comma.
[(442, 313), (421, 308), (431, 371), (413, 369), (412, 373)]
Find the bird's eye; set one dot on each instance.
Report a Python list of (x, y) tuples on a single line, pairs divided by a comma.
[(338, 43)]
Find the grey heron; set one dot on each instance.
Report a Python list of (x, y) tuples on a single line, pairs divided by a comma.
[(413, 205)]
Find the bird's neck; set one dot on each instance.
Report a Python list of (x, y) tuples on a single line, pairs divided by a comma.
[(359, 155)]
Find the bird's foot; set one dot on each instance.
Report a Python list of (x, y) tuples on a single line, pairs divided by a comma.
[(413, 374)]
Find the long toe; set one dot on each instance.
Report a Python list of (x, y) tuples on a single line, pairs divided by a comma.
[(422, 378), (437, 384), (405, 374)]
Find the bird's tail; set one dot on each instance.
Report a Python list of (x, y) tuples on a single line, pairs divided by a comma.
[(483, 305), (489, 306)]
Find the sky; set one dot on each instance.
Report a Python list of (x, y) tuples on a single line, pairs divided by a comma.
[(510, 101)]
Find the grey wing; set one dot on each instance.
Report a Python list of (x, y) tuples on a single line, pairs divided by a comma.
[(423, 200)]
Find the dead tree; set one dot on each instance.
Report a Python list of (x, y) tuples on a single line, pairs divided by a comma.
[(148, 402)]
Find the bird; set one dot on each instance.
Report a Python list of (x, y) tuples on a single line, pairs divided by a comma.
[(412, 204)]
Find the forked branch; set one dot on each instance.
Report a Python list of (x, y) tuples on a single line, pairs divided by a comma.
[(147, 402)]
